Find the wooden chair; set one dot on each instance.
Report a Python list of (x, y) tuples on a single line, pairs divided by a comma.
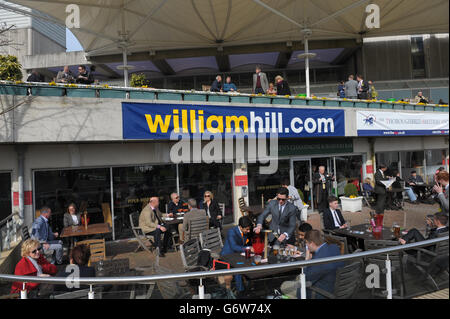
[(348, 279), (196, 226), (212, 240), (97, 248), (189, 255), (145, 242), (80, 294), (398, 260), (341, 242), (433, 261), (107, 216)]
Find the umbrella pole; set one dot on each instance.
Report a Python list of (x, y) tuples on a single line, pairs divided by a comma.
[(125, 70), (308, 90)]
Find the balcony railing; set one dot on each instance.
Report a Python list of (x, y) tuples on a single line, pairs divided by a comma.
[(150, 94), (300, 265)]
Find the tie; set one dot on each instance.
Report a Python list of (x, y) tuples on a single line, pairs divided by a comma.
[(157, 217), (336, 219)]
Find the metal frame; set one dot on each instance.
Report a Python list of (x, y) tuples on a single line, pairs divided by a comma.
[(216, 273)]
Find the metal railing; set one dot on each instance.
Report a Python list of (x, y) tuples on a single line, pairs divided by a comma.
[(245, 270), (12, 226)]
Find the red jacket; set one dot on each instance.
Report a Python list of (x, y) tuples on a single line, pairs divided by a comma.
[(25, 268)]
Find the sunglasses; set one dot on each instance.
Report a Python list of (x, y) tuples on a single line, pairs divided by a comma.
[(281, 199), (36, 250), (207, 195)]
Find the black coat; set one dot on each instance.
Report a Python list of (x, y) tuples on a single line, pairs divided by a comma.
[(379, 187), (283, 88), (320, 193), (328, 221), (216, 86), (214, 211)]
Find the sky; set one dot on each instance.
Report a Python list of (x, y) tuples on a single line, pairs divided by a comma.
[(72, 43)]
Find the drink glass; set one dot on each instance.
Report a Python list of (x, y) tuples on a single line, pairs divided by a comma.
[(275, 249), (397, 231), (257, 259), (247, 252), (348, 225)]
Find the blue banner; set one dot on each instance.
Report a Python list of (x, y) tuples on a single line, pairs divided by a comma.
[(157, 121)]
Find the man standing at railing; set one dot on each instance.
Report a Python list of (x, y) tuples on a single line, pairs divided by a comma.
[(260, 82), (42, 231)]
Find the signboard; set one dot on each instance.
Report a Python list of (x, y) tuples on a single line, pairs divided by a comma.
[(401, 124), (315, 147), (158, 121)]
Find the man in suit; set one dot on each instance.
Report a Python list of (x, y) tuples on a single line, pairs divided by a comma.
[(363, 88), (42, 231), (294, 198), (65, 76), (194, 213), (260, 82), (332, 216), (442, 190), (440, 221), (321, 184), (380, 189), (351, 88), (236, 241), (284, 216), (321, 276), (151, 223)]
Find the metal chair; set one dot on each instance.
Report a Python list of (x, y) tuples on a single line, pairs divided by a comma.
[(433, 261), (212, 240), (196, 226), (189, 255), (348, 279), (145, 242), (398, 260)]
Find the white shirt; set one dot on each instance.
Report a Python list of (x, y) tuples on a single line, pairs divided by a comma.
[(335, 218)]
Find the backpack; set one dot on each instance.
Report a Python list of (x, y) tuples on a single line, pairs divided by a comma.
[(204, 259)]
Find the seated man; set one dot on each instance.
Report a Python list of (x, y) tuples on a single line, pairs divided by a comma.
[(176, 206), (301, 232), (321, 276), (194, 213), (332, 216), (84, 77), (42, 231), (440, 221), (294, 198), (236, 241), (414, 181), (151, 223), (283, 222)]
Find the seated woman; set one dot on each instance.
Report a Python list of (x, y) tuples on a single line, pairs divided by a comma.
[(33, 263), (79, 259), (367, 186), (71, 217)]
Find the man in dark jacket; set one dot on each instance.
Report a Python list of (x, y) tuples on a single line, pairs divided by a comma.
[(363, 88), (84, 77), (35, 77), (380, 189), (217, 84), (332, 216), (322, 183)]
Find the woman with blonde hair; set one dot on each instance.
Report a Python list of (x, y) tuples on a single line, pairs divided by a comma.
[(71, 217), (212, 208), (282, 86), (33, 263)]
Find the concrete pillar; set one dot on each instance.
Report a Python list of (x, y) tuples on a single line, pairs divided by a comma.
[(371, 162)]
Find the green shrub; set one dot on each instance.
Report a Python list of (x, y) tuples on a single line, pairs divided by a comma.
[(139, 80), (10, 68), (350, 189)]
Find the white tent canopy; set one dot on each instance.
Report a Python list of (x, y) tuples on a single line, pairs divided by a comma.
[(151, 25)]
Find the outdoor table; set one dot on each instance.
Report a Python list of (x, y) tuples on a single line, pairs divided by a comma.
[(178, 219), (93, 229), (355, 232), (236, 260)]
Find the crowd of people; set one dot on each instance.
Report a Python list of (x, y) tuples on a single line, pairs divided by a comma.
[(65, 76)]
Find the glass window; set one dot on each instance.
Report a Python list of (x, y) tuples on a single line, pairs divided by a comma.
[(434, 160), (87, 188), (133, 187), (195, 179), (348, 170), (412, 161), (266, 185), (5, 195), (390, 159)]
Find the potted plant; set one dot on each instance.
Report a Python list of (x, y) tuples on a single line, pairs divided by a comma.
[(351, 202)]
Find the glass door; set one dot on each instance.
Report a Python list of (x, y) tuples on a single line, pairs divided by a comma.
[(301, 178)]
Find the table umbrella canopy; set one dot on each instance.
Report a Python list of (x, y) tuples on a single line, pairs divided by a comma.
[(107, 26)]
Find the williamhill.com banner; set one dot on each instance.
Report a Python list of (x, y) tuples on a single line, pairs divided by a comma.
[(158, 121)]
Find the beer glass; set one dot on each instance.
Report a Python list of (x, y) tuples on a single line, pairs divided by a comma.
[(275, 249)]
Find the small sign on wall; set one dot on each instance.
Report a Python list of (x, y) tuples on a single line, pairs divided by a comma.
[(241, 180), (28, 198)]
